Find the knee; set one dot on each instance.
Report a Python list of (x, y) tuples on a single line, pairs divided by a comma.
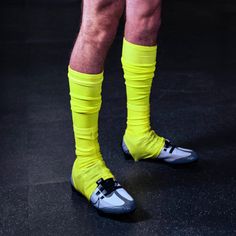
[(100, 21), (145, 20)]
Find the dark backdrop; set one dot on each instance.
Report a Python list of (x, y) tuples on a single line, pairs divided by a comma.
[(193, 104)]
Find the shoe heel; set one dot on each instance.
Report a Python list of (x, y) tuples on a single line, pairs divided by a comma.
[(73, 189), (72, 185), (127, 156)]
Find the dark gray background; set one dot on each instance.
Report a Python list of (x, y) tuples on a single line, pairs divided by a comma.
[(193, 104)]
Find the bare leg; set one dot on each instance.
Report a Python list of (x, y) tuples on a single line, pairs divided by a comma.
[(99, 25), (143, 20)]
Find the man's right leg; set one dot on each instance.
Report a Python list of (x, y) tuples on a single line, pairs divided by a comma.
[(98, 28), (90, 176)]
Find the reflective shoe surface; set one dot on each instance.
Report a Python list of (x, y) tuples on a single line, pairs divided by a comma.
[(111, 198), (177, 155), (171, 154)]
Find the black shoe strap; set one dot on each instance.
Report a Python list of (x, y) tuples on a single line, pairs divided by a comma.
[(109, 185), (168, 144)]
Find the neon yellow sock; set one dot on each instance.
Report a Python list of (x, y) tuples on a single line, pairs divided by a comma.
[(139, 63), (85, 92)]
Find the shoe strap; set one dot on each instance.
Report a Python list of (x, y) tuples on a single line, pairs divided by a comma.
[(168, 145), (109, 185)]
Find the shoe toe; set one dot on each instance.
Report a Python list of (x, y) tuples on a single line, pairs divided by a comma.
[(185, 159), (126, 208), (117, 202), (193, 156), (129, 204)]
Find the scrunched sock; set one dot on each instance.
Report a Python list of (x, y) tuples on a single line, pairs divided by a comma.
[(88, 167), (139, 64)]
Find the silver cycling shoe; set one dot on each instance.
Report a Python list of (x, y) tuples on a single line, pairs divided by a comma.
[(111, 198), (170, 154)]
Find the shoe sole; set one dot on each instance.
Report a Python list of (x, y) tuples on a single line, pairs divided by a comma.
[(108, 214)]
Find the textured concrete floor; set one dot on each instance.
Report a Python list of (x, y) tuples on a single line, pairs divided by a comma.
[(193, 104)]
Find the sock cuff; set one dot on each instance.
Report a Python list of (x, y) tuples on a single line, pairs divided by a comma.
[(84, 78), (138, 54), (142, 47)]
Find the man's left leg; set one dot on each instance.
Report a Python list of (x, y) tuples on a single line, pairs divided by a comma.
[(143, 19)]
